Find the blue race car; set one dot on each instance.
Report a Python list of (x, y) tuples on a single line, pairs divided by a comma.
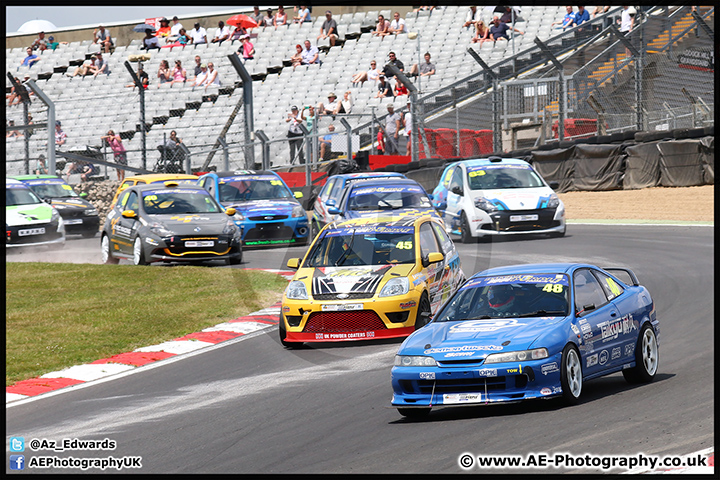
[(399, 197), (331, 193), (528, 331), (267, 210)]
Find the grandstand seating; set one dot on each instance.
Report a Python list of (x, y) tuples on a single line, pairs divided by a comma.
[(89, 106)]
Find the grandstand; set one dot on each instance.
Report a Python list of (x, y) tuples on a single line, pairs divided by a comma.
[(89, 106)]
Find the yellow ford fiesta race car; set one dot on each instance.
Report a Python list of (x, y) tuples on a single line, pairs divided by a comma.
[(369, 278)]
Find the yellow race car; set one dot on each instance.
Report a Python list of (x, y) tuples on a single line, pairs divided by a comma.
[(369, 278), (154, 178)]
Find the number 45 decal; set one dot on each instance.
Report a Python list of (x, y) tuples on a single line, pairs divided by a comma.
[(407, 245)]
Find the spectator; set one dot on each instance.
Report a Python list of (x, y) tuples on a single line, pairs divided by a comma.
[(599, 11), (237, 33), (382, 27), (384, 87), (97, 66), (346, 103), (12, 133), (310, 118), (41, 167), (333, 107), (52, 44), (326, 143), (60, 136), (213, 76), (499, 30), (257, 16), (143, 76), (14, 97), (481, 33), (182, 38), (102, 38), (164, 73), (201, 77), (581, 16), (150, 41), (247, 49), (407, 124), (400, 89), (198, 65), (294, 135), (393, 122), (280, 17), (267, 18), (115, 143), (509, 15), (178, 75), (40, 42), (164, 31), (175, 30), (395, 62), (362, 77), (198, 35), (296, 59), (627, 19), (222, 33), (567, 20), (31, 58), (328, 29), (397, 25), (426, 69), (303, 15), (310, 54), (472, 17)]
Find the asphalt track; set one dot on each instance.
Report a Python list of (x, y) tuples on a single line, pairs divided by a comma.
[(252, 406)]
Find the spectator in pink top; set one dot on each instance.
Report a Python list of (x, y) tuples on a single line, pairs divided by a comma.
[(246, 50), (382, 28), (178, 74), (115, 143)]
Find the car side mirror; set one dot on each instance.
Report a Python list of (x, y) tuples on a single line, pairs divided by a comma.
[(129, 214), (433, 257), (554, 185), (334, 211), (441, 206), (298, 194), (230, 211), (457, 191), (293, 263), (331, 202), (586, 308), (83, 195)]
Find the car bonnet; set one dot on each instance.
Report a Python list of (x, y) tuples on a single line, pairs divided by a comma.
[(259, 208), (28, 214), (516, 198), (364, 279)]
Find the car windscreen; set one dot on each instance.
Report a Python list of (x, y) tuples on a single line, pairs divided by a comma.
[(488, 177), (363, 245), (52, 188), (387, 197), (20, 195), (245, 188), (503, 296), (178, 201)]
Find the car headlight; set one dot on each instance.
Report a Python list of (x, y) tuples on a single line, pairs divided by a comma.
[(298, 211), (159, 229), (554, 201), (296, 291), (519, 356), (485, 205), (89, 212), (230, 228), (414, 361), (395, 286), (238, 217), (55, 216)]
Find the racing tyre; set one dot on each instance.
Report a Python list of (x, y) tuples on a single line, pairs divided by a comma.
[(423, 313), (571, 376), (646, 357), (465, 234), (414, 413), (138, 253), (314, 230), (283, 335), (105, 254)]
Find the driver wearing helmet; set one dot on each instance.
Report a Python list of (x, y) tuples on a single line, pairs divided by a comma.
[(501, 298)]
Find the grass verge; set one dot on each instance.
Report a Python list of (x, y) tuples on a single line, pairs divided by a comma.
[(60, 315)]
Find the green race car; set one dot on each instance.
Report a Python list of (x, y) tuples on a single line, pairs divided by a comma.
[(28, 220)]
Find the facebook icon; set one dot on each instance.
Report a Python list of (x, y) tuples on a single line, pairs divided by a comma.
[(17, 462)]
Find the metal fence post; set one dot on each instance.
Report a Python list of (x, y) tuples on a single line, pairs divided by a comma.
[(265, 149), (348, 133)]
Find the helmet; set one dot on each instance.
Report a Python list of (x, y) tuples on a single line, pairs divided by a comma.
[(500, 297)]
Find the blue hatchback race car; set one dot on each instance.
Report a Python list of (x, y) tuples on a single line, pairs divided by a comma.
[(528, 331), (267, 210)]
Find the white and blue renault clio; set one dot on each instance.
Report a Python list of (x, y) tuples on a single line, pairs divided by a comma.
[(493, 196)]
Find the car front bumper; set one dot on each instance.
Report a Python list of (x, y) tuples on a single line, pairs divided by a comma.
[(517, 222), (290, 231), (175, 249), (53, 233)]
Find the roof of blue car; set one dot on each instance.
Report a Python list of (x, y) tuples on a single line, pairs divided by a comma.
[(486, 161), (528, 268), (237, 173)]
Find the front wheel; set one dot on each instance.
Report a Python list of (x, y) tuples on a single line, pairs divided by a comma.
[(423, 313), (138, 253), (283, 335), (646, 357), (105, 254), (571, 377)]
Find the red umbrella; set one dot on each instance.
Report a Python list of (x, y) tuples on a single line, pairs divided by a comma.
[(242, 21)]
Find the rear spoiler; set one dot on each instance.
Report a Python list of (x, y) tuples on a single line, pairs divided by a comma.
[(632, 276)]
